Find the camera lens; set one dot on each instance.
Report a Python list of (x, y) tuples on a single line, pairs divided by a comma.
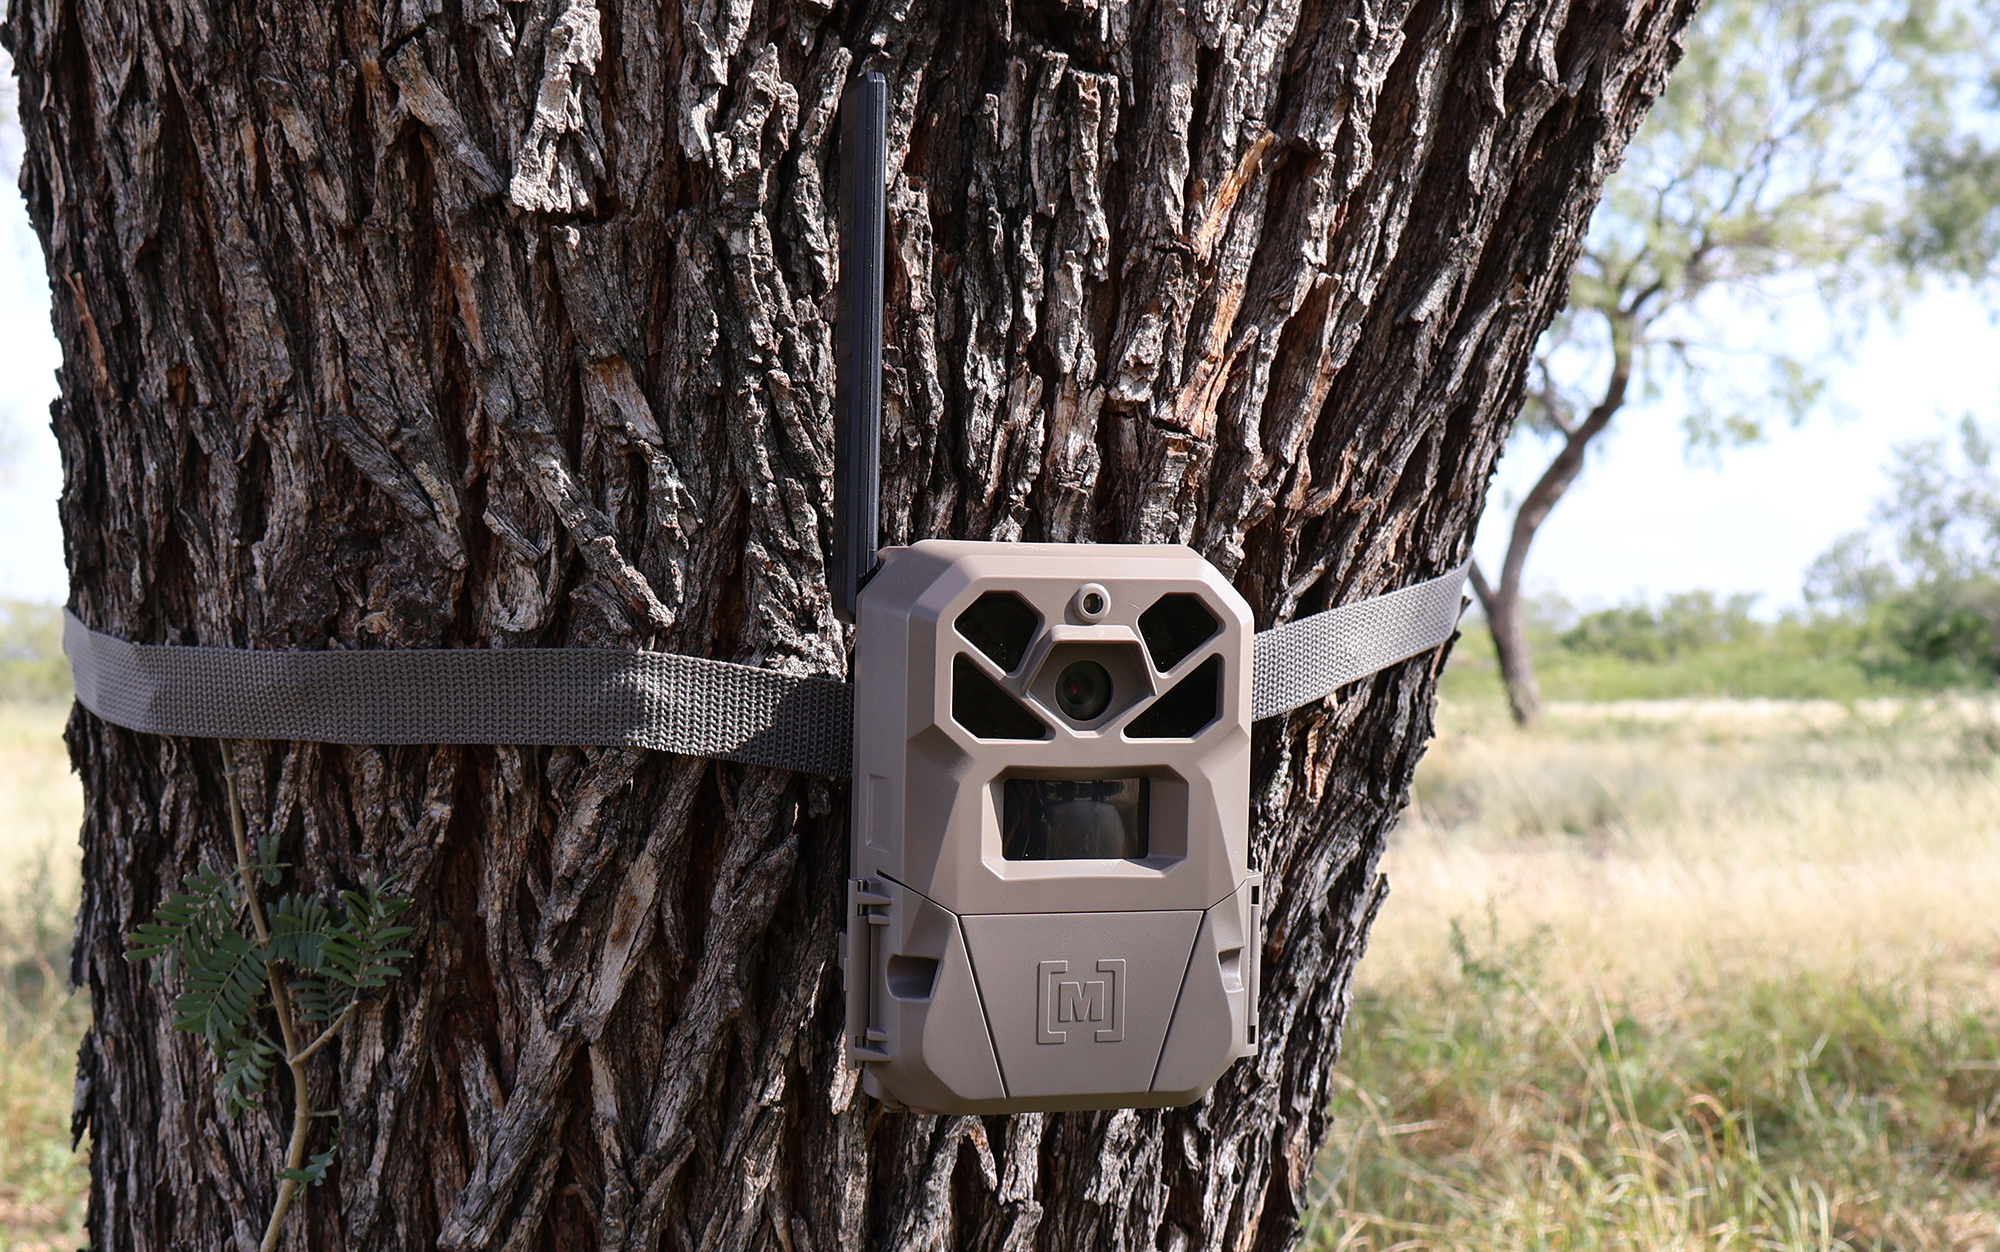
[(1083, 691)]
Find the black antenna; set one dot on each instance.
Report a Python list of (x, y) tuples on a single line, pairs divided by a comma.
[(857, 337)]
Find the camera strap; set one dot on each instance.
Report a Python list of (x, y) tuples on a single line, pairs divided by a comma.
[(622, 698)]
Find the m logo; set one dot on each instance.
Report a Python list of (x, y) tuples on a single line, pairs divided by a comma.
[(1082, 1000)]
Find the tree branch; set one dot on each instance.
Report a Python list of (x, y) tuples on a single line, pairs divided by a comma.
[(325, 1036), (1482, 590), (1568, 462)]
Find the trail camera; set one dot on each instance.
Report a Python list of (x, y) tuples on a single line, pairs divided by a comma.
[(1050, 904)]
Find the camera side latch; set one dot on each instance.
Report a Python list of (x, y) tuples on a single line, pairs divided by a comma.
[(868, 906)]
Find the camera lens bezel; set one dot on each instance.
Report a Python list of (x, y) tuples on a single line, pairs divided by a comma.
[(1092, 705)]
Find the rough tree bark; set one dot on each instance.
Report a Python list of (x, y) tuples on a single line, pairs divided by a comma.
[(506, 324)]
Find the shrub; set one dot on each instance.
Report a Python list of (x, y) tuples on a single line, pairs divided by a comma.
[(1685, 622), (1941, 632)]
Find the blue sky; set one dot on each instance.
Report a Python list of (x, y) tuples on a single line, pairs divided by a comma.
[(1643, 520)]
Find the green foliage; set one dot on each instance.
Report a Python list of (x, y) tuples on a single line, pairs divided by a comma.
[(224, 978), (207, 905), (1769, 164), (339, 960), (246, 1069), (1958, 219), (1956, 222), (1942, 512), (203, 943), (1910, 605), (1942, 632), (313, 1173)]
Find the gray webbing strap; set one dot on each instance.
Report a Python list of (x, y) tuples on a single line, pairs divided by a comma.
[(1308, 659), (600, 696), (615, 698)]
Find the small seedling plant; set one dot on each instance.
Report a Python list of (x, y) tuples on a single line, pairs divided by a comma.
[(236, 967)]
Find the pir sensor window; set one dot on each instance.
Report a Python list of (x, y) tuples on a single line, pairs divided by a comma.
[(1066, 819), (979, 705), (1001, 625), (1186, 709), (1174, 627)]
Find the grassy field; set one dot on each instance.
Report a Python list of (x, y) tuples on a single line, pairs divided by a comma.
[(42, 1181), (1689, 974), (1683, 974)]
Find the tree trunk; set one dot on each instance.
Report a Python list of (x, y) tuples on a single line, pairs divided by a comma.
[(1502, 603), (1502, 607), (506, 324)]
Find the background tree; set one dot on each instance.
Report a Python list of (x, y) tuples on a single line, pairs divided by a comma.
[(506, 324), (1772, 164), (1924, 577), (1955, 225)]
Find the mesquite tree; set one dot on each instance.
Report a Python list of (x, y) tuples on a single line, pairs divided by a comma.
[(507, 324), (1761, 171)]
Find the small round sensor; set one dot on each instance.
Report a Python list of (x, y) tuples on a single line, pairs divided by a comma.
[(1090, 603), (1083, 691)]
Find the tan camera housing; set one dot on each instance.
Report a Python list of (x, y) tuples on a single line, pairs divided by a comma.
[(1101, 950)]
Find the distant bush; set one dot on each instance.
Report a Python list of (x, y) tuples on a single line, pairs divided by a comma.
[(31, 657), (1943, 632), (1693, 645), (1684, 623), (1923, 581)]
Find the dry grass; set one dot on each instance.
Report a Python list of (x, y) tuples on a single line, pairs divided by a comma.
[(42, 1181), (1652, 839), (40, 806), (1684, 974)]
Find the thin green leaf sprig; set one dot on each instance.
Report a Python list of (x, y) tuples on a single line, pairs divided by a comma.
[(330, 952), (305, 963), (314, 1171)]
